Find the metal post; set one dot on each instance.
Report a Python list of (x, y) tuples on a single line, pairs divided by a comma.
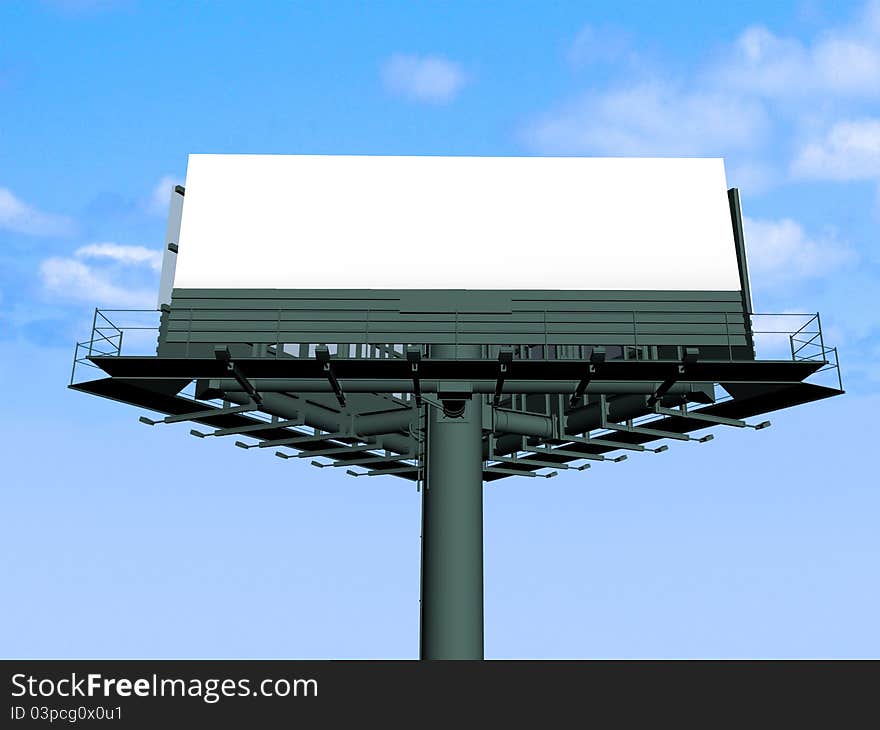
[(452, 529)]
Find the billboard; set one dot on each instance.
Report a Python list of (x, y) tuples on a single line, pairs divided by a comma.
[(534, 223)]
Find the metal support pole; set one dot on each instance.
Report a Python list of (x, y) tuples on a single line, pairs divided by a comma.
[(452, 529)]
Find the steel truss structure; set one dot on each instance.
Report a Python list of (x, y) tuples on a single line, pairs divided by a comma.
[(452, 415)]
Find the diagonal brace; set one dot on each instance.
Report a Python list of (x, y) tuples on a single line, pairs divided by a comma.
[(222, 354), (597, 356), (505, 358), (662, 390), (414, 357), (322, 355)]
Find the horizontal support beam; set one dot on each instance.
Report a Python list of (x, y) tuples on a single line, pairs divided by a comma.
[(254, 428), (697, 416), (641, 430), (339, 450), (554, 387), (303, 439), (538, 463), (207, 413), (567, 453), (606, 444), (517, 472), (396, 471), (367, 460), (468, 370)]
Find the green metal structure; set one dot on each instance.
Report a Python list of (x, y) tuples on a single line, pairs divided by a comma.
[(454, 389)]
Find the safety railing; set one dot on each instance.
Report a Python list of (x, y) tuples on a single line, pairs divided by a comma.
[(775, 336), (798, 337), (137, 328)]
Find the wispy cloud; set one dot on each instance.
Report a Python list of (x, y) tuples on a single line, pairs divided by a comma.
[(849, 150), (430, 79), (19, 217), (842, 61), (122, 280), (650, 118), (157, 204), (601, 44), (122, 254), (772, 104), (72, 279), (781, 252)]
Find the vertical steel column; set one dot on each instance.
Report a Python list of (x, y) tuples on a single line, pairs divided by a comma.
[(452, 529)]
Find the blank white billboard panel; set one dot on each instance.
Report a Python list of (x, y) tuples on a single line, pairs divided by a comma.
[(340, 222)]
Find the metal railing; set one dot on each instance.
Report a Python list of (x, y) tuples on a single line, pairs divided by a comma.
[(778, 336), (802, 341), (107, 337)]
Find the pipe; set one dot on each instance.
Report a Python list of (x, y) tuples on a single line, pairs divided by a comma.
[(399, 419), (284, 406), (619, 409), (523, 424), (586, 419)]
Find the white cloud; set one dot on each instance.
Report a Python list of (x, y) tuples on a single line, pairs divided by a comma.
[(781, 252), (601, 44), (133, 255), (651, 119), (750, 102), (73, 279), (849, 150), (18, 217), (76, 7), (841, 62), (159, 198), (431, 79)]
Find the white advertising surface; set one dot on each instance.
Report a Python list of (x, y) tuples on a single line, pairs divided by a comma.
[(341, 222)]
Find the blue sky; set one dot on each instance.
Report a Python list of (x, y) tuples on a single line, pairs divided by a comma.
[(120, 540)]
